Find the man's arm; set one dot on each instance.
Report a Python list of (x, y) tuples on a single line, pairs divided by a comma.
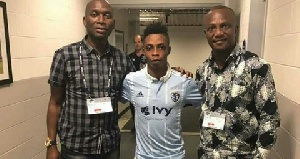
[(192, 94), (125, 93), (269, 120), (54, 108)]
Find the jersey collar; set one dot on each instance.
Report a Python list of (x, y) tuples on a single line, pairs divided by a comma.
[(162, 79)]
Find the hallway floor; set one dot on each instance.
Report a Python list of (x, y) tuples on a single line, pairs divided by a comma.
[(191, 139)]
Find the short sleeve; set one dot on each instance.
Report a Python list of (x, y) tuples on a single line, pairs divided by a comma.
[(126, 95), (57, 70), (192, 93)]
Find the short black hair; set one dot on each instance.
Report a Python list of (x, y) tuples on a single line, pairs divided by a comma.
[(156, 28), (231, 11)]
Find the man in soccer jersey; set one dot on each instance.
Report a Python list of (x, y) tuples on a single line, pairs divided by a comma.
[(159, 94)]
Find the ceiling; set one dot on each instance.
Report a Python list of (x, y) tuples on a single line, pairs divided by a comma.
[(173, 17), (171, 13)]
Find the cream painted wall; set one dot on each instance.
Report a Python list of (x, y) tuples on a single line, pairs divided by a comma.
[(23, 119), (282, 50), (155, 2), (37, 28), (189, 47), (122, 18), (244, 21)]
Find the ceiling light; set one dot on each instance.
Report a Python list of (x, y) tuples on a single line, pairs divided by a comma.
[(148, 18)]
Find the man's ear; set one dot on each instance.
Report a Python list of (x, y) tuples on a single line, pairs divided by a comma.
[(169, 50), (83, 20)]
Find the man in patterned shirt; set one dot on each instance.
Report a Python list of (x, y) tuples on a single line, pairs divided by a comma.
[(85, 79), (159, 94), (239, 115)]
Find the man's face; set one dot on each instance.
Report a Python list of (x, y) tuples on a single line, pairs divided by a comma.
[(98, 19), (156, 49), (138, 45), (220, 30)]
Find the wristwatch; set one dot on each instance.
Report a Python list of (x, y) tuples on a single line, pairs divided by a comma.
[(50, 142)]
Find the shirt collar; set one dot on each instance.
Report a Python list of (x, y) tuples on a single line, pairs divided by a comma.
[(91, 50), (232, 57), (162, 79)]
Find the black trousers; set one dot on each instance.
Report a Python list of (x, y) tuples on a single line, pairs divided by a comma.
[(69, 154)]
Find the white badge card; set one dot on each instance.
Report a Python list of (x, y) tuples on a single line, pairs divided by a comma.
[(214, 120), (99, 105)]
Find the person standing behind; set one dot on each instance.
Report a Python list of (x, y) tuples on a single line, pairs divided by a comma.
[(159, 94), (85, 80), (138, 59), (239, 115)]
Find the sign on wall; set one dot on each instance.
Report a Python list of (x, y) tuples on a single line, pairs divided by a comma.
[(5, 58), (119, 39)]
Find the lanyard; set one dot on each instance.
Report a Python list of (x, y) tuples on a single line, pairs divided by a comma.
[(83, 76)]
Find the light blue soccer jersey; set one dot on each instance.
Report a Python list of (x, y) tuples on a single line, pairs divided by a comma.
[(158, 105)]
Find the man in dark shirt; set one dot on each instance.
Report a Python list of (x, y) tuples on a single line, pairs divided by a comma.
[(85, 80), (137, 57), (139, 61)]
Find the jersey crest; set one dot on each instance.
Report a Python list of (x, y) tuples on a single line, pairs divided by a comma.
[(175, 96)]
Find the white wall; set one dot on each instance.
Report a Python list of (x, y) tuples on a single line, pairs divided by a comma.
[(244, 21), (167, 3), (124, 19), (134, 28), (23, 119), (37, 28), (282, 50), (189, 47), (121, 17), (255, 42)]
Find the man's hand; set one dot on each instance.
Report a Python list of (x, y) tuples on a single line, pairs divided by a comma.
[(182, 71), (52, 152)]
